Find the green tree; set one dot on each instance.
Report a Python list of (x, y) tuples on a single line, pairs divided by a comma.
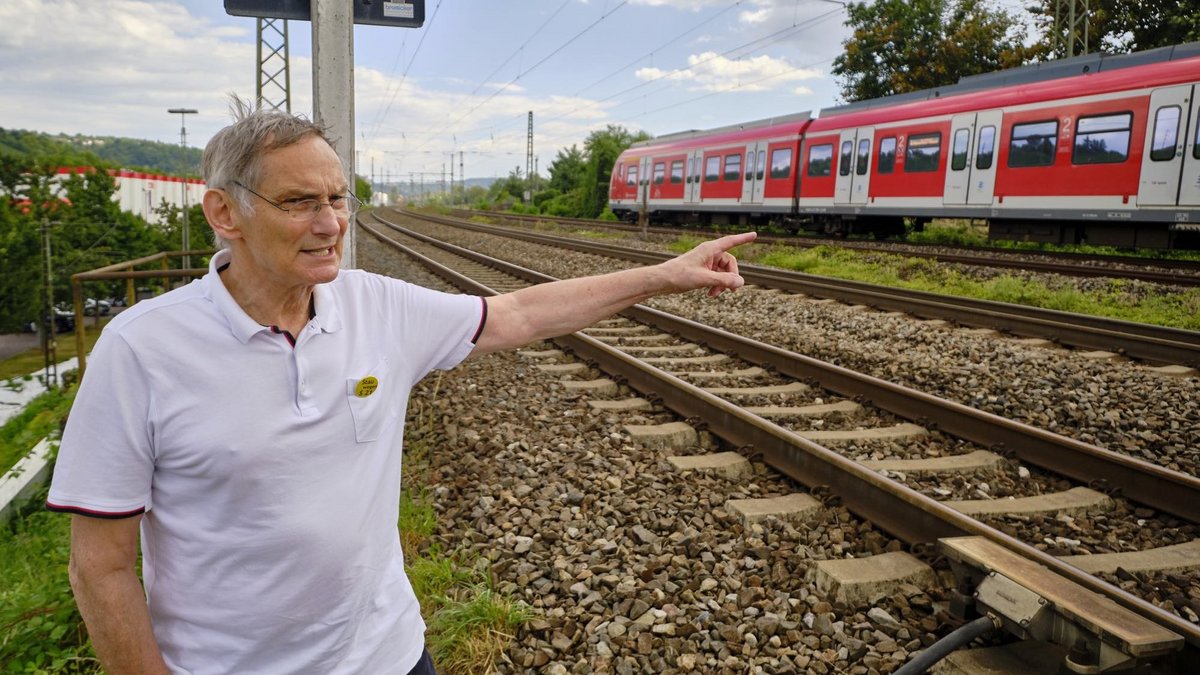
[(567, 170), (20, 257), (601, 150), (509, 190), (362, 189), (900, 46)]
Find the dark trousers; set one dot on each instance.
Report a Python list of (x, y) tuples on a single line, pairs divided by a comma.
[(424, 666)]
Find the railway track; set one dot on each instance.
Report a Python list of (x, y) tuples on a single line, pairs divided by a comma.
[(1180, 272), (676, 363), (1151, 343)]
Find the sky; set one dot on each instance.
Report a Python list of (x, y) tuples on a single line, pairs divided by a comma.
[(464, 82)]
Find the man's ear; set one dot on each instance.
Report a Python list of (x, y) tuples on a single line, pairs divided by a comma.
[(219, 210)]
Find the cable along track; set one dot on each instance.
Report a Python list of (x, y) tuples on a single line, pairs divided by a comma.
[(1131, 626)]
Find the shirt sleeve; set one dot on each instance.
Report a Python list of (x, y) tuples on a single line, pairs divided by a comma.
[(105, 462), (438, 330)]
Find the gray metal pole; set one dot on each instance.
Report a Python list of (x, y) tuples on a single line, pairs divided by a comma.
[(185, 222), (333, 90)]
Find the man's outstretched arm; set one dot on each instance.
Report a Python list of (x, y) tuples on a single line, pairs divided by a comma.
[(548, 310)]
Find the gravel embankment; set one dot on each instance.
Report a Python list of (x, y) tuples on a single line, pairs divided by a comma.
[(636, 569)]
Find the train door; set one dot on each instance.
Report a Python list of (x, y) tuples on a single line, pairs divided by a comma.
[(643, 182), (1189, 184), (695, 173), (958, 173), (755, 176), (860, 180), (1166, 135), (981, 186), (845, 167)]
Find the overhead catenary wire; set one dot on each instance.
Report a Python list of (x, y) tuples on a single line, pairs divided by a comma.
[(417, 50), (738, 52), (755, 44), (530, 69)]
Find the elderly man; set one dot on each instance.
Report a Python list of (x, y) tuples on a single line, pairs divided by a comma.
[(246, 426)]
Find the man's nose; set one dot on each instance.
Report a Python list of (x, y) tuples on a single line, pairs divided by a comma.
[(326, 222)]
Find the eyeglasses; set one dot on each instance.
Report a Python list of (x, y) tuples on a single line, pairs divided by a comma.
[(307, 209)]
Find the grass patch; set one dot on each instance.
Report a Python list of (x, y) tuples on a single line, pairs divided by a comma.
[(42, 417), (1117, 299), (33, 360), (686, 242), (470, 631), (965, 233), (40, 627), (593, 234)]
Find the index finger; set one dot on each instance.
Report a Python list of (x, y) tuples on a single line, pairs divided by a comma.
[(731, 240)]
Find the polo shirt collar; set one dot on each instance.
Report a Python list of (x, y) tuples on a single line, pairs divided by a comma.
[(328, 314)]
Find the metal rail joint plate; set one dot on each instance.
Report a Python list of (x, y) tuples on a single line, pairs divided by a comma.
[(1035, 603)]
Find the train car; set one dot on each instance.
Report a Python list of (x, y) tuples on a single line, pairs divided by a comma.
[(1097, 149), (739, 174)]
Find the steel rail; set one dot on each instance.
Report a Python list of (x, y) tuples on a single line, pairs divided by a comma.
[(894, 507), (1157, 344)]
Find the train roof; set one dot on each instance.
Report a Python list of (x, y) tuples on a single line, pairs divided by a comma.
[(785, 124), (1062, 78), (1038, 72), (1079, 76)]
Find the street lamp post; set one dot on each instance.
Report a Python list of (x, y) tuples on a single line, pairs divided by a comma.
[(187, 244)]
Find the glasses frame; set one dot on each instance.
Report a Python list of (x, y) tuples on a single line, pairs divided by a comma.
[(299, 215)]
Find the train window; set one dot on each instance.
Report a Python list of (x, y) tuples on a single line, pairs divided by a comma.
[(660, 173), (1166, 133), (987, 148), (676, 172), (847, 155), (762, 164), (750, 165), (631, 176), (820, 160), (1103, 139), (781, 163), (887, 155), (958, 152), (1196, 143), (712, 169), (733, 167), (924, 153), (1033, 144), (864, 155)]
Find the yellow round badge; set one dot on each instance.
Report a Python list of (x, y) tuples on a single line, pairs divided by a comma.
[(366, 386)]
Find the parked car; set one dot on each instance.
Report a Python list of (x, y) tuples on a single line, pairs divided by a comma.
[(92, 305)]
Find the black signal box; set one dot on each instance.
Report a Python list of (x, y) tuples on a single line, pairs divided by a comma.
[(410, 14)]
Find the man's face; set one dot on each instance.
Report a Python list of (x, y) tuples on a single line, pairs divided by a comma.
[(291, 252)]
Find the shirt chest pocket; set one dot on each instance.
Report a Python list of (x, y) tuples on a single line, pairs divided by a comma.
[(372, 403)]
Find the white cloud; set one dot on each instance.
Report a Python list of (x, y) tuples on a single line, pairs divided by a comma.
[(115, 67), (713, 72)]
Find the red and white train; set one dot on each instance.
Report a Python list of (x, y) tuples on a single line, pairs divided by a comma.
[(1097, 149)]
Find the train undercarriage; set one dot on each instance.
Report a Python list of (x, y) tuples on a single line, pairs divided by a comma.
[(1125, 235)]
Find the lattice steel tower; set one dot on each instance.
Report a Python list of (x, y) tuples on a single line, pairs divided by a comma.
[(274, 89), (529, 153), (1071, 27)]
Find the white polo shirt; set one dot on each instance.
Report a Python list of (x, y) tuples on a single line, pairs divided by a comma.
[(269, 473)]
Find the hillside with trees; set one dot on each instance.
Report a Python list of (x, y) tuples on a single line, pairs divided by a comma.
[(110, 151)]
